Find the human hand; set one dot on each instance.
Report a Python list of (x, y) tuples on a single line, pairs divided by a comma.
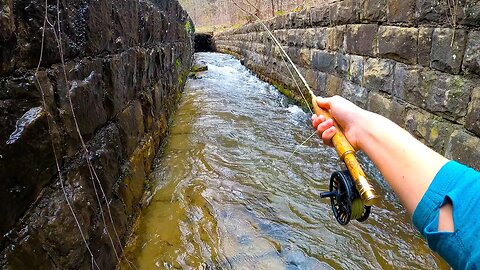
[(347, 115)]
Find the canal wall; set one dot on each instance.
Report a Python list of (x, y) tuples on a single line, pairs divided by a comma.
[(416, 62), (125, 65)]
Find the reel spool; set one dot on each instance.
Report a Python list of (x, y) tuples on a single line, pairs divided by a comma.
[(345, 199)]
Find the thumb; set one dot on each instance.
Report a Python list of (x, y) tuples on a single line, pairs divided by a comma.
[(324, 103)]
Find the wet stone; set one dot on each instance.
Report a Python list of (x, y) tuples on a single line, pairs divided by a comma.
[(398, 43), (446, 55), (471, 61)]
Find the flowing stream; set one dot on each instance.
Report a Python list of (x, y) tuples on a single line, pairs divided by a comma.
[(227, 196)]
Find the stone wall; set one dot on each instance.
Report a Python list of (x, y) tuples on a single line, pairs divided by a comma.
[(126, 62), (416, 62)]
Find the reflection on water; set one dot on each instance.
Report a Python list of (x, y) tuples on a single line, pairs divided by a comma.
[(227, 198)]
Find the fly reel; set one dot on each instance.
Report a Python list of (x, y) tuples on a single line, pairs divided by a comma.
[(345, 199)]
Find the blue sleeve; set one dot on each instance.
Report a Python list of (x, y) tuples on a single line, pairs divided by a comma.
[(459, 185)]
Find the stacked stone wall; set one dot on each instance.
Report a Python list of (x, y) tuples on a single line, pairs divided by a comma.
[(126, 63), (416, 62)]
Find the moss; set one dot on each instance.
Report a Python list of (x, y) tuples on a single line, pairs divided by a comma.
[(189, 27), (178, 64)]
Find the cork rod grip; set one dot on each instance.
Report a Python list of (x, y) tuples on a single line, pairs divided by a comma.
[(346, 153)]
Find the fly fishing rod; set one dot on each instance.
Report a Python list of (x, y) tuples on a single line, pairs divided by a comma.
[(351, 194)]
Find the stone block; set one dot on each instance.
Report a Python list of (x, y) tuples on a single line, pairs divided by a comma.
[(448, 48), (472, 121), (373, 10), (355, 72), (428, 128), (320, 16), (361, 39), (333, 86), (335, 38), (463, 148), (344, 12), (471, 13), (401, 11), (398, 43), (341, 65), (355, 93), (305, 58), (292, 38), (446, 95), (424, 45), (130, 123), (321, 82), (378, 75), (323, 61), (471, 60), (406, 84), (390, 108), (429, 11)]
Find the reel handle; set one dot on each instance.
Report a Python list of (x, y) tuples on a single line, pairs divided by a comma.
[(346, 153)]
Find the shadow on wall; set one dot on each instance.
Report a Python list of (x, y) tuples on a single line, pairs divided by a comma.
[(204, 42)]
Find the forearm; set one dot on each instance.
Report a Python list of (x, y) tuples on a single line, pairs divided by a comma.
[(407, 165)]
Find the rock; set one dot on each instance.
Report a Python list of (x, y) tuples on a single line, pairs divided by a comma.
[(463, 148), (355, 73), (355, 93), (446, 95), (424, 45), (373, 10), (387, 107), (320, 16), (471, 61), (344, 12), (131, 128), (472, 121), (341, 65), (378, 75), (435, 11), (406, 84), (431, 130), (323, 61), (471, 13), (448, 48), (335, 39), (401, 11), (333, 86), (398, 43), (361, 39)]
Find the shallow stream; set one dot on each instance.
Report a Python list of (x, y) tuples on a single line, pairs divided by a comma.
[(227, 196)]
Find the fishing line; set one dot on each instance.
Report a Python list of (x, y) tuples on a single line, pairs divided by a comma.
[(49, 125)]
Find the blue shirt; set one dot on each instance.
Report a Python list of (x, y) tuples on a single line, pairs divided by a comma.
[(459, 185)]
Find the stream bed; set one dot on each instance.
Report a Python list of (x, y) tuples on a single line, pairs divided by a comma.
[(227, 195)]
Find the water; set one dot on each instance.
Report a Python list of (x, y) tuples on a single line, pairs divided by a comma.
[(227, 198)]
